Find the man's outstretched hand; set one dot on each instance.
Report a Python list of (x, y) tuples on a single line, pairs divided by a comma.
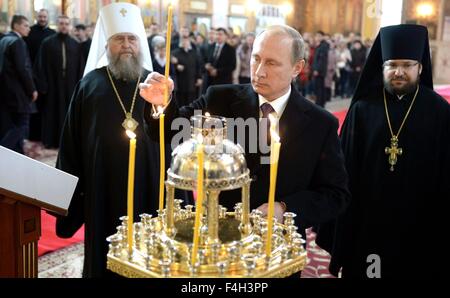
[(152, 90)]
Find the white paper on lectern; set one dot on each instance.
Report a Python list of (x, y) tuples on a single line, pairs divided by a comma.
[(31, 178)]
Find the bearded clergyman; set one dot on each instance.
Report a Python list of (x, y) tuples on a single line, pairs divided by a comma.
[(94, 144), (396, 142)]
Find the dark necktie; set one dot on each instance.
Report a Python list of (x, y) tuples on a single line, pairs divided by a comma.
[(216, 52), (64, 59), (266, 109)]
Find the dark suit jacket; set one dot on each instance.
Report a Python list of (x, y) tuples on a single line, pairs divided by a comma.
[(320, 63), (312, 179), (225, 65), (16, 77)]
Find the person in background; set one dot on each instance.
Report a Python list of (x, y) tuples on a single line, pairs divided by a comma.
[(154, 31), (358, 53), (38, 33), (244, 53), (58, 67), (82, 37), (319, 67), (344, 59), (221, 61), (331, 70), (187, 68), (18, 90)]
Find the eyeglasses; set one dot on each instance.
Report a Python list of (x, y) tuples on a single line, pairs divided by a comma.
[(393, 66)]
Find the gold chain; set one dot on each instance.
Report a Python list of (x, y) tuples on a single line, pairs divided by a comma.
[(404, 119), (118, 96)]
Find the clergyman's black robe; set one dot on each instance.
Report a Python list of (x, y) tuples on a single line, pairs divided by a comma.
[(95, 148), (56, 84), (34, 41), (402, 216), (35, 37)]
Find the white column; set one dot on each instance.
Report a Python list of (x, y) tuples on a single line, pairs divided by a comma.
[(220, 13)]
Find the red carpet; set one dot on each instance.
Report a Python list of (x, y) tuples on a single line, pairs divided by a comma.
[(341, 116), (50, 242), (444, 92)]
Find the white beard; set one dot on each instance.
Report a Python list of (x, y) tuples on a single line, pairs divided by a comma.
[(127, 70)]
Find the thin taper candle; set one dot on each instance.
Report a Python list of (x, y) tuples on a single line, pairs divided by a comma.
[(130, 195), (162, 161), (199, 205), (274, 157), (168, 43)]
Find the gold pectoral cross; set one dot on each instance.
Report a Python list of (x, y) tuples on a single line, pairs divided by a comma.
[(123, 11), (393, 151)]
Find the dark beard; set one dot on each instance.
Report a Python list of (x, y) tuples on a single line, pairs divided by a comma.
[(409, 87), (127, 70)]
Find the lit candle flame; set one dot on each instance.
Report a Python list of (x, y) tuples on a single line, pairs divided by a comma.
[(130, 134)]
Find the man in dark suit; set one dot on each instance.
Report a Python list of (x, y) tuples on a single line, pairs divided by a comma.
[(221, 61), (312, 180), (16, 83), (187, 66), (320, 66)]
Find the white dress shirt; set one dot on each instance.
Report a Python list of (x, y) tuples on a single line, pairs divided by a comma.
[(278, 105)]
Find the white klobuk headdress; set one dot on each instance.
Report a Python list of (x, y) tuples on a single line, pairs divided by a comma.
[(117, 18)]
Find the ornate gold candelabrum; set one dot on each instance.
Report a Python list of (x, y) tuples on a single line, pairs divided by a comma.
[(231, 243)]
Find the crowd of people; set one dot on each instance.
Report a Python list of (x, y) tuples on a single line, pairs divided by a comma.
[(43, 66), (57, 59), (333, 63)]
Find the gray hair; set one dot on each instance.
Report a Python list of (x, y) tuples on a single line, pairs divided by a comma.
[(298, 44), (158, 42)]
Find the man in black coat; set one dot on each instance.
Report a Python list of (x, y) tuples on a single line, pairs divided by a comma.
[(16, 83), (188, 73), (38, 33), (221, 61), (58, 68), (312, 180), (320, 66), (154, 31), (82, 37)]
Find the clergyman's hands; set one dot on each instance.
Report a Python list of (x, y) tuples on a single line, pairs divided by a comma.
[(152, 90)]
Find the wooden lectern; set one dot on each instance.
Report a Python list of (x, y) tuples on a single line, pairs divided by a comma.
[(26, 186)]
